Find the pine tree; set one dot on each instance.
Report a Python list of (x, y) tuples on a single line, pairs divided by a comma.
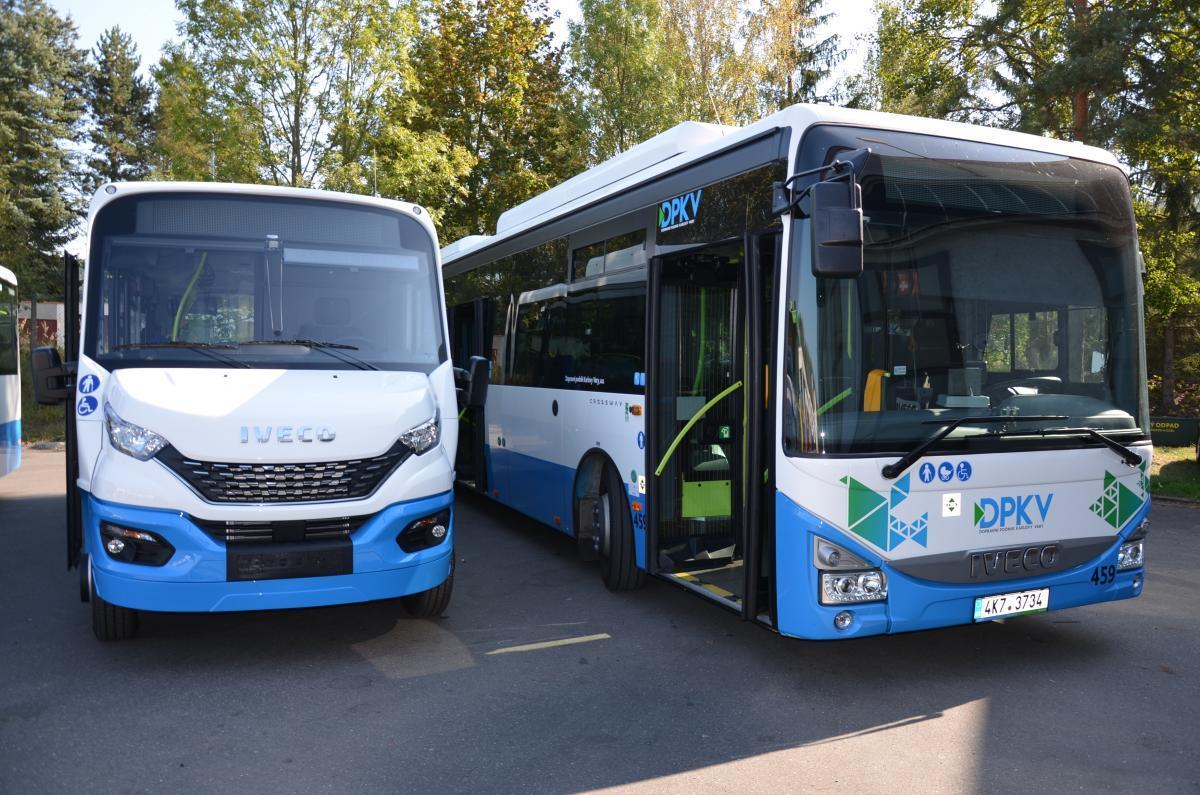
[(41, 81), (120, 105)]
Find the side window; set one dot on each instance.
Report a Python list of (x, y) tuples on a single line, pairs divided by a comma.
[(998, 352), (1035, 341), (531, 345), (607, 330), (1087, 330), (623, 251), (8, 330)]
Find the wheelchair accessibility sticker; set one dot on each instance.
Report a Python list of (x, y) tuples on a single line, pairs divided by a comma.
[(87, 405)]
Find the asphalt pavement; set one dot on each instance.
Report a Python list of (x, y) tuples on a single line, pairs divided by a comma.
[(540, 680)]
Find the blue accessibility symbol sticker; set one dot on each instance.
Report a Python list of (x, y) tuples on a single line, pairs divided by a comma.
[(88, 384), (87, 405), (641, 440), (926, 472), (964, 471), (945, 471)]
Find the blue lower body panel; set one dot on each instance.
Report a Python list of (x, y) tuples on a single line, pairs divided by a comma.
[(10, 446), (194, 579), (914, 604)]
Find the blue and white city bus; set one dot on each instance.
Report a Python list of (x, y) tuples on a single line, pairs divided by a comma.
[(262, 414), (845, 373), (10, 375)]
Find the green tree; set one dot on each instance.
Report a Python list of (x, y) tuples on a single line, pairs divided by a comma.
[(199, 133), (625, 74), (492, 82), (120, 103), (41, 100), (715, 65), (792, 56)]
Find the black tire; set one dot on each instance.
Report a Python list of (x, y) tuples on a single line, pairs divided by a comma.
[(109, 621), (618, 558), (431, 603)]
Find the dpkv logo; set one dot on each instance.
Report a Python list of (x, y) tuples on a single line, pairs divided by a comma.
[(680, 211), (1012, 513)]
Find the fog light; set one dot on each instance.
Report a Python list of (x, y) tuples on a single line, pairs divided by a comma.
[(842, 620), (1131, 555), (426, 532), (853, 586), (135, 546)]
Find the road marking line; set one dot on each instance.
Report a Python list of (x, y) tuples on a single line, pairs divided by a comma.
[(550, 644)]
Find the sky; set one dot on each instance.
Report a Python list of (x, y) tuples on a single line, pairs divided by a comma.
[(152, 23)]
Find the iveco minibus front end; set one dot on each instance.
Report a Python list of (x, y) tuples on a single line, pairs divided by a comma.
[(264, 404)]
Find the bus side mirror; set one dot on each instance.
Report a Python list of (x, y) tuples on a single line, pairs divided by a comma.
[(837, 229), (481, 374), (50, 376)]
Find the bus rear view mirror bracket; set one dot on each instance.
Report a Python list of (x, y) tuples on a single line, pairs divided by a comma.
[(835, 207), (51, 377), (481, 373)]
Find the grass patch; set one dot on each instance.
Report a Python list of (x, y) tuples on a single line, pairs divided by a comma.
[(1175, 473), (38, 423)]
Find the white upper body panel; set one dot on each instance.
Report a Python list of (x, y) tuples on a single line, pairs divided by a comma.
[(690, 141)]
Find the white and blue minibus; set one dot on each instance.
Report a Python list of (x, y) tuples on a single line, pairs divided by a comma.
[(263, 413), (10, 375), (845, 373)]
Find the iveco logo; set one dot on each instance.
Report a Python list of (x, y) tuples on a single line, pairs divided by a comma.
[(287, 433), (1022, 560)]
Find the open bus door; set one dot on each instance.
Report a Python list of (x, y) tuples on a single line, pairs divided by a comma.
[(54, 384), (471, 331), (706, 454)]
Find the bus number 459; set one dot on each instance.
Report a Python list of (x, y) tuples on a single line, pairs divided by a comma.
[(1103, 575)]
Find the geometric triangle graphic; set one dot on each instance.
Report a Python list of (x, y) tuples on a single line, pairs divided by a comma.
[(867, 517), (900, 490)]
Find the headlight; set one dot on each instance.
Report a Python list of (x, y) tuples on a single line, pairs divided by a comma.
[(853, 586), (1131, 555), (132, 440), (424, 436)]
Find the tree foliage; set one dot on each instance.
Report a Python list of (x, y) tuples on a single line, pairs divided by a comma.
[(121, 113), (42, 74)]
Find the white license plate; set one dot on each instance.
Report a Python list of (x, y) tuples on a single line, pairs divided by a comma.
[(1011, 604)]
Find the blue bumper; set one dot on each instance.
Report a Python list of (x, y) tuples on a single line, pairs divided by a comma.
[(10, 446), (194, 579), (915, 604)]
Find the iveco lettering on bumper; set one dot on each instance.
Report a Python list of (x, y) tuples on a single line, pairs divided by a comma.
[(287, 433)]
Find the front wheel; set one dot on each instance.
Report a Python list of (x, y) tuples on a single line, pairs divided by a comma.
[(618, 556), (109, 621), (431, 603)]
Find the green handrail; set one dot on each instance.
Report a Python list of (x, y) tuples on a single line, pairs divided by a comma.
[(695, 418), (186, 300)]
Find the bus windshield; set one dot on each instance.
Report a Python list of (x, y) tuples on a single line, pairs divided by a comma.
[(208, 280), (996, 281)]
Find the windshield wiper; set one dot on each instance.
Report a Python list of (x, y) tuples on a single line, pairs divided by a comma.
[(908, 459), (131, 346), (1128, 456), (207, 348), (333, 349)]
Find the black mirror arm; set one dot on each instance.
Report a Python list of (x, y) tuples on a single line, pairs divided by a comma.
[(783, 201)]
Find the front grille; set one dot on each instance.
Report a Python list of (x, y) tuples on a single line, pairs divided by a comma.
[(238, 532), (308, 482)]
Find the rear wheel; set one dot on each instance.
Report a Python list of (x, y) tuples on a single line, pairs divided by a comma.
[(109, 621), (431, 603), (618, 556)]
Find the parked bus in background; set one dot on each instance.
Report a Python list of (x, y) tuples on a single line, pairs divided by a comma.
[(845, 373), (263, 407), (10, 375)]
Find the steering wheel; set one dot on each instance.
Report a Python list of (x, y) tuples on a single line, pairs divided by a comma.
[(362, 343)]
